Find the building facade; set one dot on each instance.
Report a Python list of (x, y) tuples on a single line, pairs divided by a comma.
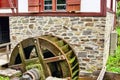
[(86, 27)]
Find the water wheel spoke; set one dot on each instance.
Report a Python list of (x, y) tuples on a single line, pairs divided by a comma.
[(40, 56), (22, 56), (54, 59)]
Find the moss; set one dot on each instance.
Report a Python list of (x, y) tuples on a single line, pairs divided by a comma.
[(39, 67), (4, 78)]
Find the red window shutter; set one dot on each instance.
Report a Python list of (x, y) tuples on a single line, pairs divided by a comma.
[(34, 5), (7, 4), (73, 5), (4, 4)]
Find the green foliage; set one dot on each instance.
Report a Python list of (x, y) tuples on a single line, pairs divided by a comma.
[(4, 78), (118, 30), (113, 63), (118, 9)]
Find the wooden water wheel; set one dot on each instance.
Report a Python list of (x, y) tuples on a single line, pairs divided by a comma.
[(55, 55)]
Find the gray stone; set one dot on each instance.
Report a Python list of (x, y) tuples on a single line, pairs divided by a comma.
[(64, 34), (87, 32), (74, 28), (70, 34), (74, 38), (39, 28), (82, 54), (28, 33), (89, 24), (32, 21), (83, 64), (50, 21), (25, 21), (31, 26), (74, 22), (88, 48), (99, 25), (32, 18), (14, 21), (82, 68), (20, 27), (113, 42), (74, 19), (66, 37), (80, 23), (87, 19), (15, 27), (91, 56)]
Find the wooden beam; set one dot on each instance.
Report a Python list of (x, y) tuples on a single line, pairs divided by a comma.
[(54, 59), (77, 14)]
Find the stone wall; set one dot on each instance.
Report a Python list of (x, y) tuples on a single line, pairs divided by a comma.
[(85, 34), (108, 29)]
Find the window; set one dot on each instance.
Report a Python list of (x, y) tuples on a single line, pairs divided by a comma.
[(54, 5), (47, 5), (61, 5)]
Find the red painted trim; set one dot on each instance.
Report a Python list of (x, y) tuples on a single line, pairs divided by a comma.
[(111, 5), (102, 12), (42, 5), (54, 5), (111, 11), (78, 14), (16, 6), (103, 7), (115, 19), (39, 5)]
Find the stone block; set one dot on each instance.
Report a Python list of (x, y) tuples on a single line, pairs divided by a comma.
[(31, 26), (113, 42), (87, 19), (82, 54), (88, 48), (89, 24), (87, 32), (86, 59)]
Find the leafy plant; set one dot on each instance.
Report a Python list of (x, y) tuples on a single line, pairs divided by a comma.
[(113, 63), (118, 30)]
